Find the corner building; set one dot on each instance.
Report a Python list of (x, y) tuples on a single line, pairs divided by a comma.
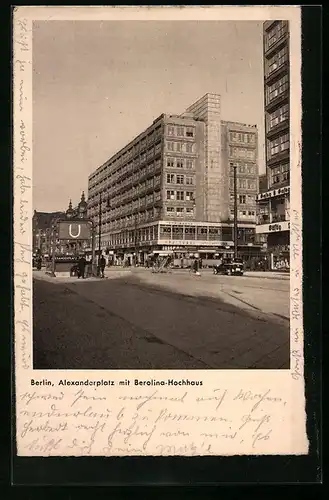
[(274, 202), (168, 190)]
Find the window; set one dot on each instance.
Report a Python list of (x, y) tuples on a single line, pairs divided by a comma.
[(179, 179), (189, 132), (277, 60), (180, 195), (180, 131), (242, 199), (280, 173), (251, 184), (190, 180), (170, 178), (170, 163), (242, 169), (170, 195), (251, 199), (170, 210), (189, 164), (251, 212), (178, 146), (190, 211), (180, 164), (171, 130), (180, 211), (170, 146), (189, 196), (279, 144), (243, 153), (242, 183), (250, 169), (277, 88), (189, 147), (279, 116), (275, 34)]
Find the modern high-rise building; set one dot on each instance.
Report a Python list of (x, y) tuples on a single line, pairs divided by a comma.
[(170, 189), (274, 203)]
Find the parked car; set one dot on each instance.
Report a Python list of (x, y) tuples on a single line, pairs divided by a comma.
[(230, 267)]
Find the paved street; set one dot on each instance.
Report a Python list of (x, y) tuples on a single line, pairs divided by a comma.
[(137, 319)]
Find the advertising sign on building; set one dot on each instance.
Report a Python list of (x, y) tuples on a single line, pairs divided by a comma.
[(74, 230), (274, 227)]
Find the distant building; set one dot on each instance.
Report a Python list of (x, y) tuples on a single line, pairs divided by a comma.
[(274, 203), (43, 227), (169, 189)]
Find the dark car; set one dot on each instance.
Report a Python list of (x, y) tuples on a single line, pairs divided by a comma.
[(230, 267)]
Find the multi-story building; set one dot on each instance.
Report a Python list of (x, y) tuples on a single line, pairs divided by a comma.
[(274, 203), (42, 223), (169, 188), (43, 226)]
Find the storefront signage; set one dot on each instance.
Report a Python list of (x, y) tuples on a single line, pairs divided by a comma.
[(195, 242), (275, 192), (273, 228), (74, 230)]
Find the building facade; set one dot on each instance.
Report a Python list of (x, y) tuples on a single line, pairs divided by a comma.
[(168, 190), (274, 203), (43, 224)]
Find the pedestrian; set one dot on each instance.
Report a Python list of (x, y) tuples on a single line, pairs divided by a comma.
[(82, 266), (102, 264), (195, 266)]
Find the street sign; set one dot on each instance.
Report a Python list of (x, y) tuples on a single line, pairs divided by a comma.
[(74, 230)]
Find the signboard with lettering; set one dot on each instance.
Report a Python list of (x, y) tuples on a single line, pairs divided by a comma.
[(74, 230), (196, 243), (273, 193), (273, 228)]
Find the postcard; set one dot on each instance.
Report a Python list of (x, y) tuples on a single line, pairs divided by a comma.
[(158, 231)]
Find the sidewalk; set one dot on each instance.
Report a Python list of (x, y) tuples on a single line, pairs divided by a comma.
[(109, 274)]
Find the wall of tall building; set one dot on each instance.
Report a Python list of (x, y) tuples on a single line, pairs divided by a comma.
[(208, 109), (274, 204), (240, 150)]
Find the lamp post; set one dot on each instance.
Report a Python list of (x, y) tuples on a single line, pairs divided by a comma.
[(100, 229), (235, 213)]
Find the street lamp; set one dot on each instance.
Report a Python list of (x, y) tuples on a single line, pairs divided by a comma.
[(100, 229), (235, 212)]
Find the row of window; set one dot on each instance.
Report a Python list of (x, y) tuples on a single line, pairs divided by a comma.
[(278, 145), (181, 147), (280, 173), (278, 116), (125, 175), (180, 131), (180, 163), (180, 179), (244, 184), (180, 195), (244, 213), (277, 88), (132, 151), (277, 60), (180, 211), (246, 138), (243, 168), (244, 199), (244, 153), (275, 34)]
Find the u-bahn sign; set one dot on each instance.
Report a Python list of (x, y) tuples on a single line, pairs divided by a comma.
[(74, 230)]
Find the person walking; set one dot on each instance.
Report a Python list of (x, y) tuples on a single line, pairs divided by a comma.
[(102, 264), (81, 267)]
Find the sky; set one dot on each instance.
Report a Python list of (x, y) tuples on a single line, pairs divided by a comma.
[(97, 85)]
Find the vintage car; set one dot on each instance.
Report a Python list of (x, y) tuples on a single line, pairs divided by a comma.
[(230, 267)]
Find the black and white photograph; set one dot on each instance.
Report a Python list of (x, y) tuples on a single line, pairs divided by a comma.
[(158, 231), (161, 195)]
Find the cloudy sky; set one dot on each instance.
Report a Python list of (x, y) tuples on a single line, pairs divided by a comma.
[(96, 85)]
